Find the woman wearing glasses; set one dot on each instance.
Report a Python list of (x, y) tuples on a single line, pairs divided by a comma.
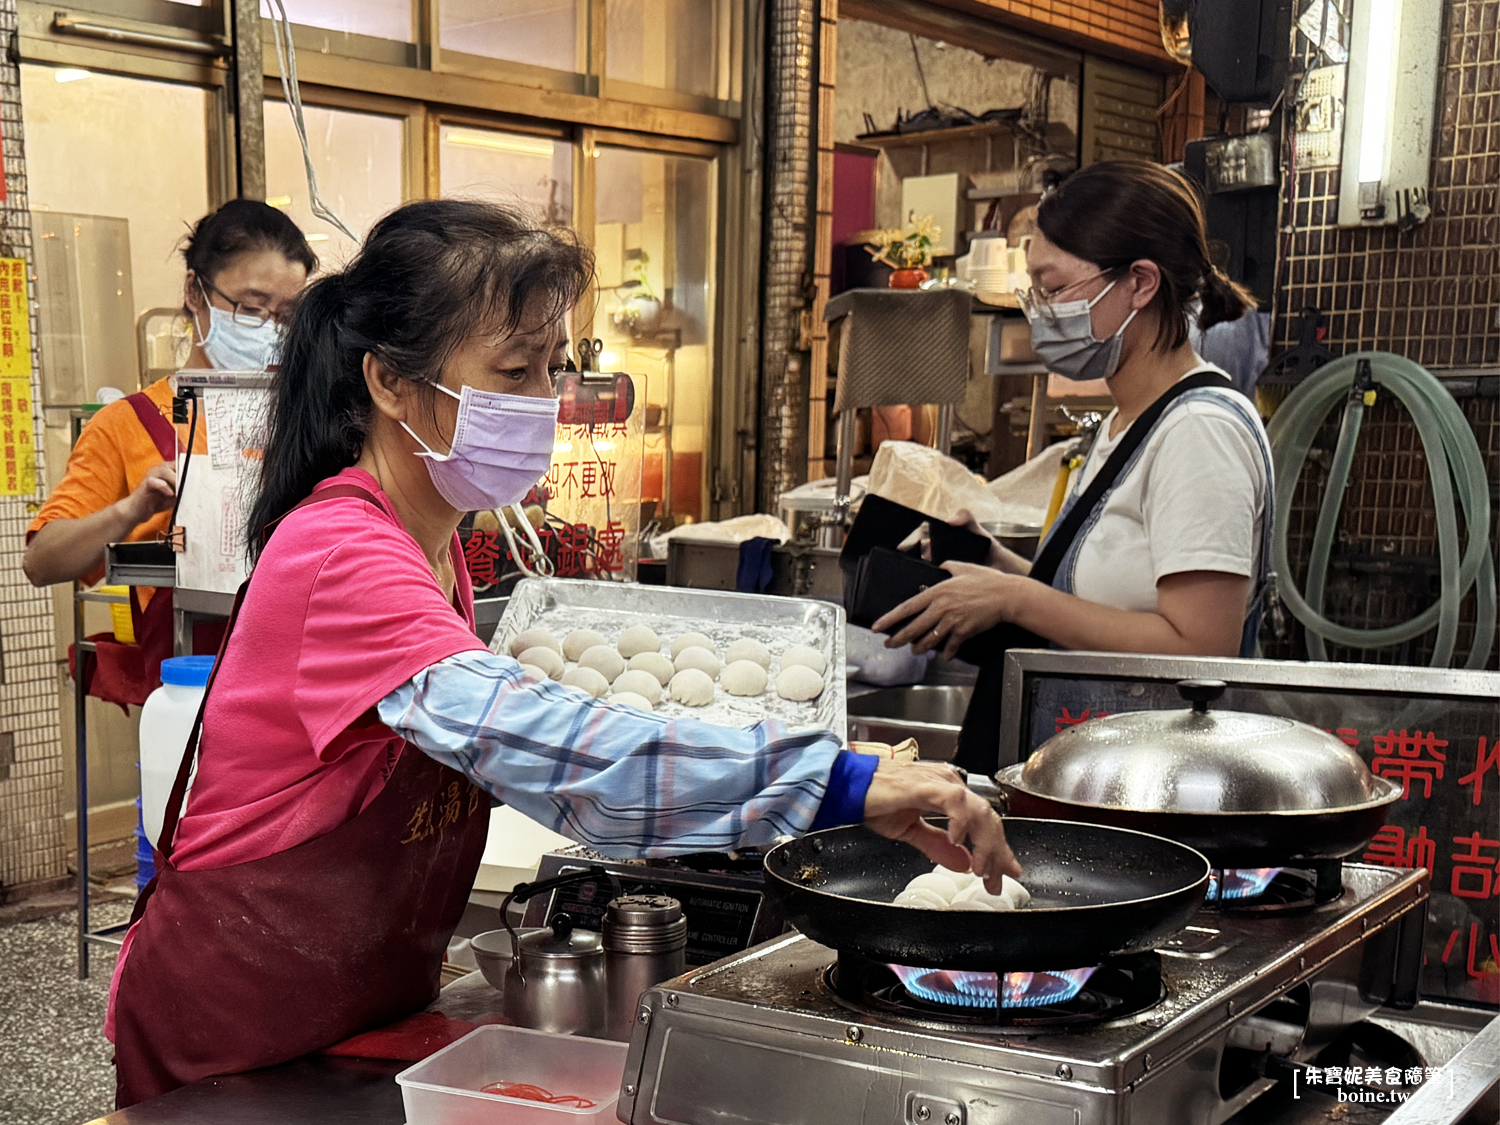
[(1162, 546), (245, 263)]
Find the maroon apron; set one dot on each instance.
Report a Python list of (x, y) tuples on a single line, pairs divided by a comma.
[(247, 966)]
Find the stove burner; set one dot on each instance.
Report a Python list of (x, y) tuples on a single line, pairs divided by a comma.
[(1120, 987), (980, 990), (1239, 882)]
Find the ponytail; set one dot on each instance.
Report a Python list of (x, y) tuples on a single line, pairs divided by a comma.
[(319, 418), (1223, 300), (429, 276)]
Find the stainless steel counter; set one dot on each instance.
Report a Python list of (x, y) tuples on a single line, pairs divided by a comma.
[(316, 1090)]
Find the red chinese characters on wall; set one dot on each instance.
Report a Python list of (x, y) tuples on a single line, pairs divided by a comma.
[(1408, 758)]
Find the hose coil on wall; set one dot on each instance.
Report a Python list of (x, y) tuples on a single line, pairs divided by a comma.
[(1457, 475)]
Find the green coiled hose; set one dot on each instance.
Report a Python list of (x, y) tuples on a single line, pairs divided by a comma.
[(1454, 466)]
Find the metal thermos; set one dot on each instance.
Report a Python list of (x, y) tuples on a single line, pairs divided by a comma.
[(645, 943)]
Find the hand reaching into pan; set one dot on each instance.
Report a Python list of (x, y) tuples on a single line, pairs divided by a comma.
[(900, 793)]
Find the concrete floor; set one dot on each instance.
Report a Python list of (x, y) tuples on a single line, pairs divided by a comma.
[(55, 1064)]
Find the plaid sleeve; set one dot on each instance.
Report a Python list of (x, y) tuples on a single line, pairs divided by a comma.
[(624, 782)]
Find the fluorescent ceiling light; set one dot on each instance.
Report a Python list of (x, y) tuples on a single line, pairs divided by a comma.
[(316, 237), (278, 200), (71, 74), (1380, 84), (501, 142)]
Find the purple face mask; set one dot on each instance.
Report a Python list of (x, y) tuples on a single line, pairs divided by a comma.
[(502, 445)]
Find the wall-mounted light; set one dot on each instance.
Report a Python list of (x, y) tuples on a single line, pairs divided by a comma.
[(71, 74), (1388, 119)]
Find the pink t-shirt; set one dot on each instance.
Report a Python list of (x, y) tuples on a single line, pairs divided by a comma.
[(343, 609)]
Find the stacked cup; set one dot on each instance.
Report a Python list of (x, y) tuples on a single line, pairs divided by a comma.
[(989, 267)]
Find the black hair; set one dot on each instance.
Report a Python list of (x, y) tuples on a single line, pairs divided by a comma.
[(241, 225), (429, 276), (1118, 212)]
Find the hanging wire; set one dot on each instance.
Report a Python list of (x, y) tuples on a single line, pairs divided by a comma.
[(286, 59)]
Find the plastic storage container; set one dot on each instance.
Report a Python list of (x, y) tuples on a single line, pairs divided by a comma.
[(443, 1089), (166, 721)]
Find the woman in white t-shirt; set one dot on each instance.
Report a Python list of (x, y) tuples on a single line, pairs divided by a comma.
[(1171, 559)]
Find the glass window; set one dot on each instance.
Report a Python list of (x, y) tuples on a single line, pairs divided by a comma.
[(522, 170), (147, 163), (668, 44), (383, 19), (358, 160), (550, 33), (654, 236)]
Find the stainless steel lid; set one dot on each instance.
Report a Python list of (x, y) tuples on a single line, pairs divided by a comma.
[(1201, 761), (560, 941), (642, 910)]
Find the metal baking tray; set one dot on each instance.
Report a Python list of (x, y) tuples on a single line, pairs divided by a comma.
[(562, 605)]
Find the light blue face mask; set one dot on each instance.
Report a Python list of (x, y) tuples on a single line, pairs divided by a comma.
[(1063, 336), (232, 345)]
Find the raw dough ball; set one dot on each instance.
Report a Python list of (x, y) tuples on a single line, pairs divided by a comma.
[(806, 657), (579, 641), (744, 677), (534, 672), (700, 658), (638, 639), (630, 699), (692, 688), (604, 660), (799, 683), (534, 638), (590, 680), (655, 663), (691, 640), (548, 660), (746, 649), (639, 683)]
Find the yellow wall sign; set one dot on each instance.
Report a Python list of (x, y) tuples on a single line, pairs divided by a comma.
[(15, 321), (17, 439), (17, 426)]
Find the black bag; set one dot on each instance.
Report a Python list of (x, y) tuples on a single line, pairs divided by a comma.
[(979, 740)]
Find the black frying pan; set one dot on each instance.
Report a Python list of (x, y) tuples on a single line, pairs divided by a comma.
[(1095, 891), (1228, 839)]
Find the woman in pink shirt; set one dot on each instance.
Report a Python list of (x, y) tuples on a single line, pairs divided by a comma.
[(357, 730)]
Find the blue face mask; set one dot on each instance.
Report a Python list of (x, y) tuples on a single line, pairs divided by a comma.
[(235, 346)]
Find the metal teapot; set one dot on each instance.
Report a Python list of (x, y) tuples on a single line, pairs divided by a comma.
[(555, 981)]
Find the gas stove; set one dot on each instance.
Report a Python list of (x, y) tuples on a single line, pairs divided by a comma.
[(791, 1032)]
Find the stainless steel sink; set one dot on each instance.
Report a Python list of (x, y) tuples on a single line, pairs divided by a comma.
[(930, 713)]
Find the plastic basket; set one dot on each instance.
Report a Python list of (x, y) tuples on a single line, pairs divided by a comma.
[(443, 1089), (119, 614)]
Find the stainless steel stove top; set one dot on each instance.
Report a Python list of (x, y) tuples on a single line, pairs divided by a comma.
[(762, 1037)]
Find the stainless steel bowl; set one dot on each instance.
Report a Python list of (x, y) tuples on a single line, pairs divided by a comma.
[(933, 714), (493, 953), (1201, 761)]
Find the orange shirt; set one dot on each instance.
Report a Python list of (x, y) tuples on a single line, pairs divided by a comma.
[(113, 455)]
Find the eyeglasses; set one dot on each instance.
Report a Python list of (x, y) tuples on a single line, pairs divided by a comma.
[(1036, 302), (251, 316)]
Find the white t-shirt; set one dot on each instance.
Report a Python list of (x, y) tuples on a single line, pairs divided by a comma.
[(1195, 499)]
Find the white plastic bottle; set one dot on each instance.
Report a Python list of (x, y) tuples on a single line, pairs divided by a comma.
[(166, 721)]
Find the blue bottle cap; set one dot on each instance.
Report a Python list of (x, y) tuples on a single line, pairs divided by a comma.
[(187, 671)]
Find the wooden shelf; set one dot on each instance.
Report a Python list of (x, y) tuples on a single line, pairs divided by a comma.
[(938, 136)]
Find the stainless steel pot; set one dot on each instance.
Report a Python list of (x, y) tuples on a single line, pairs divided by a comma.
[(1247, 790)]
